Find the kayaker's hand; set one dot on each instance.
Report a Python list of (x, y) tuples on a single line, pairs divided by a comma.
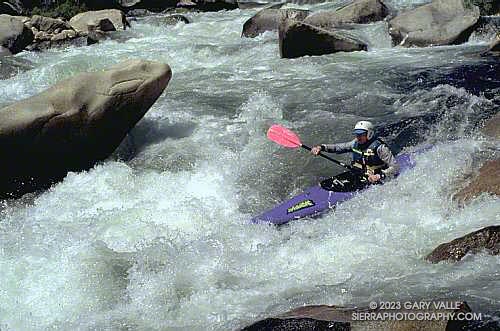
[(374, 178), (315, 150)]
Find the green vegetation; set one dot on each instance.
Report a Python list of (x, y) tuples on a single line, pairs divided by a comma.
[(65, 9)]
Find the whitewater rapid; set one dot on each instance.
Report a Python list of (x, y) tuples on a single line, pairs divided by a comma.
[(158, 237)]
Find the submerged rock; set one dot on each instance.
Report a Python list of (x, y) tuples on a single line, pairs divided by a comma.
[(329, 318), (14, 35), (268, 20), (75, 123), (442, 22), (485, 239), (300, 39), (361, 11), (175, 18)]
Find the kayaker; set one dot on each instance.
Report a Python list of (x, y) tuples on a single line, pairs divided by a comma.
[(369, 153)]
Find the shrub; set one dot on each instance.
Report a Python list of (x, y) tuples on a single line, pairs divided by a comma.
[(66, 9)]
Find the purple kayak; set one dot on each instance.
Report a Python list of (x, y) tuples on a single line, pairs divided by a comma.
[(321, 198)]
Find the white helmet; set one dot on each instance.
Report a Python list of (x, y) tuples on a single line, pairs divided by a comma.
[(364, 127)]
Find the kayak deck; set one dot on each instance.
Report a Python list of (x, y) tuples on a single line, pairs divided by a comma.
[(322, 198)]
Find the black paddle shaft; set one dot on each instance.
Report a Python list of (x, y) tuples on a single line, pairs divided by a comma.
[(355, 170)]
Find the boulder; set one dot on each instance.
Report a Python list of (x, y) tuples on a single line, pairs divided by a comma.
[(492, 126), (268, 20), (81, 21), (42, 35), (360, 11), (44, 45), (48, 24), (13, 34), (94, 35), (104, 25), (485, 239), (174, 19), (332, 318), (74, 124), (299, 39), (65, 34), (442, 22), (487, 180)]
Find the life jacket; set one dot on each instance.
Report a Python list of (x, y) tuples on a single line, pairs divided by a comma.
[(366, 158)]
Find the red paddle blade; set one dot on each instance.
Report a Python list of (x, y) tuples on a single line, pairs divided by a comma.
[(283, 136)]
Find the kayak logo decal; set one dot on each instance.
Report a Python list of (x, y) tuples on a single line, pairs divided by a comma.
[(299, 206)]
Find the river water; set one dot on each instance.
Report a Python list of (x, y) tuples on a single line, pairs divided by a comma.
[(157, 237)]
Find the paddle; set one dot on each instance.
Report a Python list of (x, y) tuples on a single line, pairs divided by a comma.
[(288, 138)]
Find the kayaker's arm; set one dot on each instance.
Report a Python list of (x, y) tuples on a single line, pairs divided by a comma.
[(385, 154), (338, 148)]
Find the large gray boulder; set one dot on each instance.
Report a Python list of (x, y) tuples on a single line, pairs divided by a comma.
[(75, 123), (487, 239), (442, 22), (300, 39), (82, 21), (360, 11), (13, 34), (268, 20)]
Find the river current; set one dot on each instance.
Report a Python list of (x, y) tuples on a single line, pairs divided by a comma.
[(157, 237)]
